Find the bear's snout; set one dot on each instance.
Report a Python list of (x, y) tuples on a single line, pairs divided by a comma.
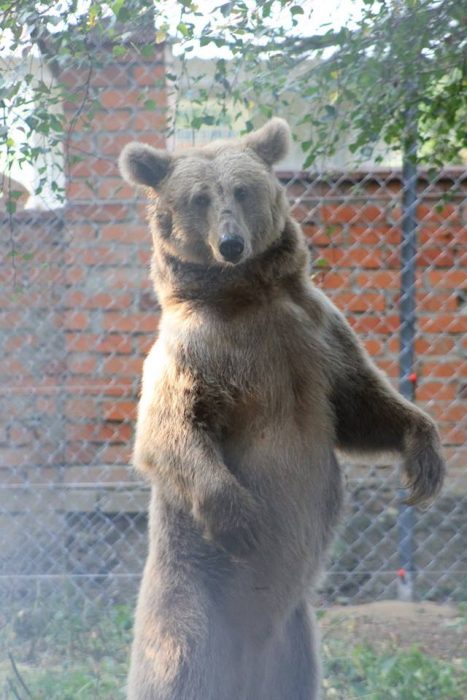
[(231, 247)]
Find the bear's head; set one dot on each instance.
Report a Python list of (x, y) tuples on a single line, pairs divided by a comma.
[(217, 204)]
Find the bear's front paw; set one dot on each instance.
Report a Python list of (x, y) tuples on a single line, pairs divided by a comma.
[(423, 465), (229, 516)]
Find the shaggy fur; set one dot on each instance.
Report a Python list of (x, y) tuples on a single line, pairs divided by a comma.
[(253, 382)]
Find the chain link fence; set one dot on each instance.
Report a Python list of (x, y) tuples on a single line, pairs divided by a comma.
[(353, 221), (77, 315)]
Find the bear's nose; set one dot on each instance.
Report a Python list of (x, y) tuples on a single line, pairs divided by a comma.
[(231, 247)]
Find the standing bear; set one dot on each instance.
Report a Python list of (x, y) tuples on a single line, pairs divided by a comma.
[(253, 382)]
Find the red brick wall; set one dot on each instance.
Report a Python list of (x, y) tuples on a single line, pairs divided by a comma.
[(78, 313), (353, 224), (76, 331), (111, 312), (31, 343)]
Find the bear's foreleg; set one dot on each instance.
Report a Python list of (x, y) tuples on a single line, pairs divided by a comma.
[(176, 447), (372, 416)]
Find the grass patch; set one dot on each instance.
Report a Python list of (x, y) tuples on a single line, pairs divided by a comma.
[(394, 674), (61, 653)]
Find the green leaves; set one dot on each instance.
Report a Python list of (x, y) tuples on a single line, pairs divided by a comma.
[(342, 89), (198, 121), (330, 112), (118, 51), (150, 104)]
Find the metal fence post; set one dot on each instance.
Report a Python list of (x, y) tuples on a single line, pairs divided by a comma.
[(407, 376)]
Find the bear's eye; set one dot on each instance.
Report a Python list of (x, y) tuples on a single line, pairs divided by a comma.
[(240, 193), (201, 200)]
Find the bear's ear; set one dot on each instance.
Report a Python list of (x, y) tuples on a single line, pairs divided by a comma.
[(141, 164), (272, 142)]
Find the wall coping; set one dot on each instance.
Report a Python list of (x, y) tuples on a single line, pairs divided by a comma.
[(375, 175)]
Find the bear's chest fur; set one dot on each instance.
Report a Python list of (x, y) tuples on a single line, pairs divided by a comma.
[(261, 366)]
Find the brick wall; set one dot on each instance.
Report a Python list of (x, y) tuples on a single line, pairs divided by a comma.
[(353, 224), (111, 311), (79, 314)]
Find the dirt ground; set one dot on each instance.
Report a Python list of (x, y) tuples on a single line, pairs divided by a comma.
[(438, 630)]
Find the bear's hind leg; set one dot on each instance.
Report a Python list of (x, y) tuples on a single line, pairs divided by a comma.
[(294, 669), (182, 648), (168, 660)]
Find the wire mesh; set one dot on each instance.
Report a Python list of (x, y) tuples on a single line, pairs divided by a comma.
[(78, 315)]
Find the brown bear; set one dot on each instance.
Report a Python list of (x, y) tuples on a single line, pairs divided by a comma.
[(254, 380)]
